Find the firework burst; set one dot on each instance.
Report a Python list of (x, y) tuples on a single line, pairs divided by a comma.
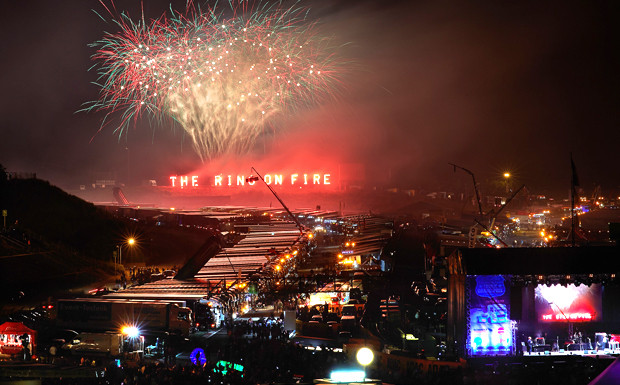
[(221, 78)]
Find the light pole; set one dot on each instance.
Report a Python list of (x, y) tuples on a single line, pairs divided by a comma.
[(507, 181), (130, 242)]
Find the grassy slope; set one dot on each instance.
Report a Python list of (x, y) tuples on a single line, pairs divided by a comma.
[(71, 241)]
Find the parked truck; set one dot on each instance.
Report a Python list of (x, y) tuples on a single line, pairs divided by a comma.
[(114, 315)]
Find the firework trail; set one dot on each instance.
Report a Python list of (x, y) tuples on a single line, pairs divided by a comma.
[(221, 78)]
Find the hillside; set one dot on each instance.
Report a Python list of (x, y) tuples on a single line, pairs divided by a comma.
[(52, 240)]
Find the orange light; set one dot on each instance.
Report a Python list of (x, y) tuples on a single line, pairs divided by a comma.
[(278, 267), (131, 241), (310, 235), (339, 256), (282, 260), (347, 244), (353, 244)]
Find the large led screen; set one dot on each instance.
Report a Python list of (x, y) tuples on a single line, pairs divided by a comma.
[(490, 327), (570, 303)]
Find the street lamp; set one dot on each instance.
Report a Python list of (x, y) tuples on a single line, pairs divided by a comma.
[(364, 356), (130, 242), (507, 181)]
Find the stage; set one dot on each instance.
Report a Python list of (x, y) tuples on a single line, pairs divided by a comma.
[(585, 353)]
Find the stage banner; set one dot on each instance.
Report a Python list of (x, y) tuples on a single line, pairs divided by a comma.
[(490, 330)]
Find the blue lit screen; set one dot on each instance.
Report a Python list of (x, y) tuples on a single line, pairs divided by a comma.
[(490, 328)]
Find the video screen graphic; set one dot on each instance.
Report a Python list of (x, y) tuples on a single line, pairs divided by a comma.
[(490, 327), (570, 303)]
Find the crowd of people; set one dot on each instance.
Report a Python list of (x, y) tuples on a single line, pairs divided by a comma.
[(260, 348), (262, 329), (284, 362), (265, 355)]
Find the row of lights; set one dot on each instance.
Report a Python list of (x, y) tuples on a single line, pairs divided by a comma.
[(284, 260), (564, 279)]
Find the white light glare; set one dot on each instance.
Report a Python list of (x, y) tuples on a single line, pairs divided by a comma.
[(351, 375)]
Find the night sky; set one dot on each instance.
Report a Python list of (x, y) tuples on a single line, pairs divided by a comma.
[(491, 86)]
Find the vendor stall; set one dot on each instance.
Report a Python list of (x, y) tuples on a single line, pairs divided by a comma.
[(13, 335)]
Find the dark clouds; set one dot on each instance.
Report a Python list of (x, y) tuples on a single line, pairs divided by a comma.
[(485, 85)]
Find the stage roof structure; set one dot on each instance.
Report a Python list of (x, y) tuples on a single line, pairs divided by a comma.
[(542, 260)]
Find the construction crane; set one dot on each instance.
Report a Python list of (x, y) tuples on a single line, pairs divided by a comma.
[(475, 185), (255, 178), (491, 215)]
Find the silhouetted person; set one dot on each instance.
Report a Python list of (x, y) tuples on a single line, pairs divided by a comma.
[(25, 338)]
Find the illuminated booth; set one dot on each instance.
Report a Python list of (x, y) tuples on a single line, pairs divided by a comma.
[(539, 301), (12, 335)]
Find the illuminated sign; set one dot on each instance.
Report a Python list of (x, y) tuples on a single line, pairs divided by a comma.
[(183, 181), (568, 317), (490, 327), (347, 376), (198, 357), (490, 286), (223, 367), (323, 297), (230, 180)]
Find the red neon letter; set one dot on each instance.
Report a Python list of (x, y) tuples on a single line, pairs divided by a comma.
[(173, 179)]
